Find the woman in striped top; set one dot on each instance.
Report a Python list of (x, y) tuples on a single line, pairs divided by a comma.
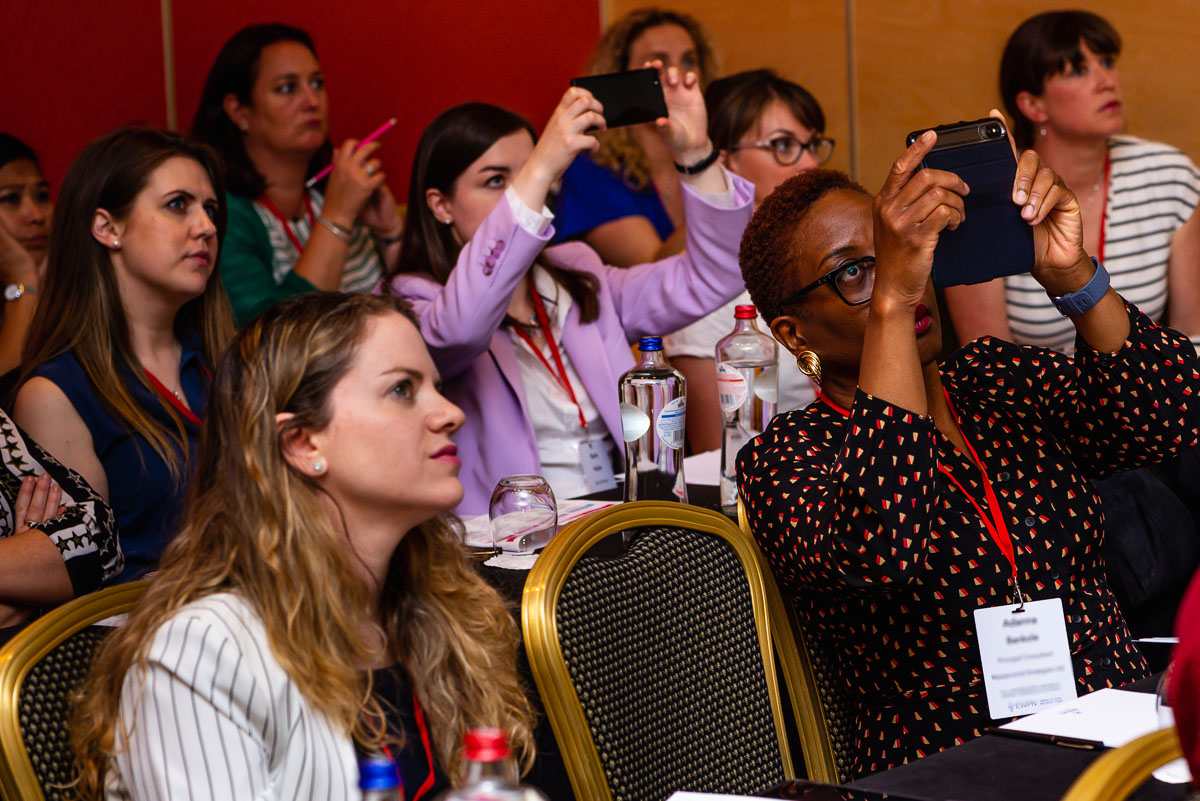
[(264, 108), (1059, 81), (317, 597)]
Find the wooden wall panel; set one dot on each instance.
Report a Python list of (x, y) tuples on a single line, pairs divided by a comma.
[(803, 41)]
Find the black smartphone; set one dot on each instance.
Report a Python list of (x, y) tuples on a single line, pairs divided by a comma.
[(993, 241), (629, 97)]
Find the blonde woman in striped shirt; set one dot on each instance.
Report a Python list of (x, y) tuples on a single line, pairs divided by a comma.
[(317, 598)]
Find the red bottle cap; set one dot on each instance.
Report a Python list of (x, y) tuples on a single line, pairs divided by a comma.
[(744, 312), (485, 745)]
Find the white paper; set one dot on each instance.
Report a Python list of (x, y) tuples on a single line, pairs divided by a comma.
[(479, 527), (1114, 717), (1026, 660), (703, 468), (1159, 640), (686, 796)]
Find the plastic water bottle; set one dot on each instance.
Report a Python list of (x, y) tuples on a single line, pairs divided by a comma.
[(490, 773), (748, 390), (378, 779), (653, 404)]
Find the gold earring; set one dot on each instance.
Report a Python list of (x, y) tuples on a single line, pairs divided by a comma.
[(809, 363)]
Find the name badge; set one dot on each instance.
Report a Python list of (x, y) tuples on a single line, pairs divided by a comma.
[(597, 468), (1026, 658)]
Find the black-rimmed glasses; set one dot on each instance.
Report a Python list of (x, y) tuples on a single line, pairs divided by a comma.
[(787, 150), (853, 282)]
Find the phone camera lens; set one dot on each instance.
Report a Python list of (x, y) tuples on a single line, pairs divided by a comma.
[(992, 130)]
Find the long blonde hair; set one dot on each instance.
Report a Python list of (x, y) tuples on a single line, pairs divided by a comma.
[(619, 150), (255, 526), (80, 310)]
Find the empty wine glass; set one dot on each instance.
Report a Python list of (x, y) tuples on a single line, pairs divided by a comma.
[(523, 513)]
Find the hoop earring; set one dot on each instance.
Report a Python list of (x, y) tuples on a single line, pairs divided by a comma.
[(809, 363)]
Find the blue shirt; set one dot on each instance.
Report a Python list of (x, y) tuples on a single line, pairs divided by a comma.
[(141, 492), (592, 195)]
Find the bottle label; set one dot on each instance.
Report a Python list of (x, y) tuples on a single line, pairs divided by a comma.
[(732, 388), (670, 424), (634, 422), (766, 386)]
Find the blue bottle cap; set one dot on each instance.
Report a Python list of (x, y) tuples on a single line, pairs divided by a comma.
[(376, 772), (650, 343)]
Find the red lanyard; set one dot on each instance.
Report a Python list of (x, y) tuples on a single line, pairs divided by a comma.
[(994, 522), (419, 715), (1104, 207), (287, 226), (560, 375), (170, 396)]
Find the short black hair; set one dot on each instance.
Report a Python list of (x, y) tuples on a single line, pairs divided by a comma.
[(769, 245), (1045, 45)]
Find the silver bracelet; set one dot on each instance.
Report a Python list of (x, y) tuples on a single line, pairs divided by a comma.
[(340, 231)]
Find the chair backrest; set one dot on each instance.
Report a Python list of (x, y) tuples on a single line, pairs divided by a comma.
[(825, 709), (1118, 773), (39, 669), (656, 666)]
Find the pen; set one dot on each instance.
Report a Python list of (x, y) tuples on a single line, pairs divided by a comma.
[(371, 137), (1051, 739)]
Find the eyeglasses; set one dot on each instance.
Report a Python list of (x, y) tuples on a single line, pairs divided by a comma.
[(853, 282), (787, 150)]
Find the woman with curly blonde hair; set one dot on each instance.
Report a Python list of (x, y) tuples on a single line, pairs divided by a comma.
[(625, 199), (317, 599)]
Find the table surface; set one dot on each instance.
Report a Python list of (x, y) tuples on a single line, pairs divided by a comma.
[(993, 768)]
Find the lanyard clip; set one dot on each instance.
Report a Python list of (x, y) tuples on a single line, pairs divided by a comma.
[(1020, 596)]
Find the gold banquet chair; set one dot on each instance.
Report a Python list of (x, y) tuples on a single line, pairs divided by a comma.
[(1118, 773), (656, 665), (39, 669), (827, 725)]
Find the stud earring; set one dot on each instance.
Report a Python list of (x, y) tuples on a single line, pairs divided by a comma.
[(809, 363), (446, 221), (245, 126), (318, 467), (1042, 131), (116, 243)]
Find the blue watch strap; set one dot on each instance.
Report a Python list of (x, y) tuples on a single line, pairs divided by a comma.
[(1081, 300)]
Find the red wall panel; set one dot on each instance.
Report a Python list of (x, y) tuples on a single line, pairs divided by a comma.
[(71, 70), (407, 59)]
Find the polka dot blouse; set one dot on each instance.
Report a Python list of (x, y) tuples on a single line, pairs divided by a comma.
[(887, 559)]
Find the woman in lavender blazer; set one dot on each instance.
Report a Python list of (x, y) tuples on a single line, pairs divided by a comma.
[(529, 340)]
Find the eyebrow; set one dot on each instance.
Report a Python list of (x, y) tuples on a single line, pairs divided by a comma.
[(294, 76), (436, 379), (186, 195), (496, 168), (836, 252)]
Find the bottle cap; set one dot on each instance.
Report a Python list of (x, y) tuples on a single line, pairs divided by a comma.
[(485, 745), (377, 772), (650, 344), (746, 312)]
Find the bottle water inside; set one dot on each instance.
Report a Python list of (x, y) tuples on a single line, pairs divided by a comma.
[(653, 407), (748, 390)]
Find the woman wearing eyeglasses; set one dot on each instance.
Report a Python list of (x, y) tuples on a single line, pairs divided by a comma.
[(767, 129), (914, 494)]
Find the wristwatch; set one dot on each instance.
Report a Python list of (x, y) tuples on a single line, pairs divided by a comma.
[(1081, 300), (14, 291)]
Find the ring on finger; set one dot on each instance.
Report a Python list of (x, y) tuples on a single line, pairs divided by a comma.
[(31, 523), (371, 169)]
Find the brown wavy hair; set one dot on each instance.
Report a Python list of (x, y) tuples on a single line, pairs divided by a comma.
[(80, 310), (619, 150), (255, 526)]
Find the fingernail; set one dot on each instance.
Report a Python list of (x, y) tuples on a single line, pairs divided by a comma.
[(1027, 212), (1022, 196), (928, 136)]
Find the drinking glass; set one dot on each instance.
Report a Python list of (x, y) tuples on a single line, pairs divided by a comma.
[(523, 513)]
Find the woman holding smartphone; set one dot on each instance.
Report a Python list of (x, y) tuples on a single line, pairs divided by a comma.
[(265, 108), (531, 339)]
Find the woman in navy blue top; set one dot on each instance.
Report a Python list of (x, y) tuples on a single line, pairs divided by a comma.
[(114, 374)]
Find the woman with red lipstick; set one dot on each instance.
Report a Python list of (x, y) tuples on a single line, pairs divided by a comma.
[(115, 371), (25, 210), (914, 494), (317, 601), (265, 108), (1062, 90)]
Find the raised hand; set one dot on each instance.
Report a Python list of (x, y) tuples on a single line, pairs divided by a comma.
[(911, 210), (685, 128), (354, 179), (564, 137)]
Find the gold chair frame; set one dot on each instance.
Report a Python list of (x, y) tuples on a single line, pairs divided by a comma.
[(18, 781), (539, 622), (1119, 772)]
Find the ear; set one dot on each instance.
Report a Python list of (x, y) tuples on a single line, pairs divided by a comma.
[(300, 448), (1032, 107), (237, 112), (723, 158), (439, 204), (787, 329), (106, 230)]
